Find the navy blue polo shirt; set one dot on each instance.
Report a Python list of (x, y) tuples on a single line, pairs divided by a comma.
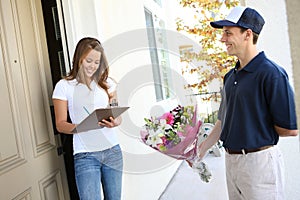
[(256, 98)]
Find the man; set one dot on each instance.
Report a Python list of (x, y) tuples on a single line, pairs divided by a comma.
[(257, 107)]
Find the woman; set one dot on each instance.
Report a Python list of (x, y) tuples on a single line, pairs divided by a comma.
[(97, 154)]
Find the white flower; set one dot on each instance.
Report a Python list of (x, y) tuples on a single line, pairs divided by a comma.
[(152, 132), (164, 125), (153, 140)]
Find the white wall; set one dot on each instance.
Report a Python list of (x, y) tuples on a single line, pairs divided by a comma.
[(274, 38)]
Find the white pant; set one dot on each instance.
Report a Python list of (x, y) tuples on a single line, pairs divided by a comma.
[(255, 176)]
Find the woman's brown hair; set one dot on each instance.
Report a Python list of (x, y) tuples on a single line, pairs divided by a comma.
[(83, 47)]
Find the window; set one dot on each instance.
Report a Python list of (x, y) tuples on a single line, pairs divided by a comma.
[(159, 57)]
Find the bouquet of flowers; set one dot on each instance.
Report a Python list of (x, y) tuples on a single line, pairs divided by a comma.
[(175, 134)]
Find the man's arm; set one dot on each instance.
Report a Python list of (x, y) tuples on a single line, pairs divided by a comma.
[(283, 132), (212, 139)]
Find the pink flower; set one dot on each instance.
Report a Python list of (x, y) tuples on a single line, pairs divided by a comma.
[(164, 140), (168, 117)]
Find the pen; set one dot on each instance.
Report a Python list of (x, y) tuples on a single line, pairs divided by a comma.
[(86, 110)]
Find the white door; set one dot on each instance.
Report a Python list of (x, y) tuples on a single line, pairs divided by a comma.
[(29, 165)]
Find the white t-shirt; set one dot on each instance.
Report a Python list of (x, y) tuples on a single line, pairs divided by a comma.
[(81, 101)]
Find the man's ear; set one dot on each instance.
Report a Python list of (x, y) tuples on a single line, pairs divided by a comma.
[(248, 34)]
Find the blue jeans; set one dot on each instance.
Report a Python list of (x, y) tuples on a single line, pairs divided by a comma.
[(96, 169)]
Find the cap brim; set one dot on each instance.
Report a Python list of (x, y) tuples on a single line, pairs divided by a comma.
[(221, 23)]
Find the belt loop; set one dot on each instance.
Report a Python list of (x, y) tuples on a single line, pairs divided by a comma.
[(243, 151)]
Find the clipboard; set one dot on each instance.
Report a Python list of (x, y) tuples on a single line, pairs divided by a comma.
[(91, 121)]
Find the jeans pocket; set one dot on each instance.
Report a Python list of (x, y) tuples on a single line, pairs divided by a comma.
[(80, 155)]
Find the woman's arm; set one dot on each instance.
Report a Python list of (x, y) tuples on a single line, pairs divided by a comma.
[(113, 122), (61, 116)]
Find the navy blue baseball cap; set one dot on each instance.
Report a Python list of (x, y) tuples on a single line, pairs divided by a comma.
[(243, 17)]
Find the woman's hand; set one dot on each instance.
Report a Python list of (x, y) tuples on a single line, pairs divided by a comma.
[(111, 122)]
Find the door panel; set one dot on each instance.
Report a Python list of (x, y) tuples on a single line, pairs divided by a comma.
[(29, 165), (11, 151), (33, 63)]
